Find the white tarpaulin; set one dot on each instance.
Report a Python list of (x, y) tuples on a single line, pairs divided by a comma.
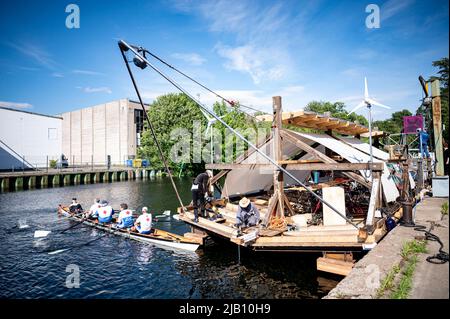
[(354, 155), (365, 147), (240, 181)]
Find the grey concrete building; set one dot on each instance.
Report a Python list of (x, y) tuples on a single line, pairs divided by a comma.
[(93, 133)]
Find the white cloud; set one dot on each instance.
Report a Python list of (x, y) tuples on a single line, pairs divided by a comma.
[(191, 58), (57, 75), (102, 89), (36, 53), (16, 105), (392, 7), (262, 35), (351, 72), (259, 64), (86, 72)]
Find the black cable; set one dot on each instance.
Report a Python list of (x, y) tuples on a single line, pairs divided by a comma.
[(231, 103), (441, 257)]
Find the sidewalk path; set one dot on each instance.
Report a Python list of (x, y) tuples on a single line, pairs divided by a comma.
[(429, 281)]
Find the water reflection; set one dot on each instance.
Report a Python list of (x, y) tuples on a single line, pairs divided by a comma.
[(114, 267)]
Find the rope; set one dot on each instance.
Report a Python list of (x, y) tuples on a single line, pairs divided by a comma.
[(441, 257), (277, 223), (152, 130)]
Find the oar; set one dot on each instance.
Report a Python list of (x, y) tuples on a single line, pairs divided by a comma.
[(54, 252), (44, 233)]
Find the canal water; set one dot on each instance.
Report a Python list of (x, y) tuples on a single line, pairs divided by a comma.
[(114, 267)]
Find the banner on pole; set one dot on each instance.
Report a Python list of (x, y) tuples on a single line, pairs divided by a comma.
[(412, 123)]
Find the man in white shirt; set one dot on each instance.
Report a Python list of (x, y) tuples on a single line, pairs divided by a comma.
[(93, 210), (105, 213), (125, 219), (144, 222)]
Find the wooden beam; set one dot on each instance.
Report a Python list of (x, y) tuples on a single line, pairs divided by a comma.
[(288, 135), (373, 202), (303, 167), (437, 127), (278, 178)]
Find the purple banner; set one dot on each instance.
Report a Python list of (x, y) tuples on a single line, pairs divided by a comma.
[(412, 123)]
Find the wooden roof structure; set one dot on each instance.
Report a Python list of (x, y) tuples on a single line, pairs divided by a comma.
[(319, 122)]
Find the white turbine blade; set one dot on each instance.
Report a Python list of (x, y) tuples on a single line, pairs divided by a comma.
[(366, 89), (205, 115), (360, 105), (373, 102), (207, 128)]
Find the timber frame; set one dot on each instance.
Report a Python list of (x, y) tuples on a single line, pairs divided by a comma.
[(335, 242)]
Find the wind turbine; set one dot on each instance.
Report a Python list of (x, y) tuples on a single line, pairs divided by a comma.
[(369, 102), (211, 122)]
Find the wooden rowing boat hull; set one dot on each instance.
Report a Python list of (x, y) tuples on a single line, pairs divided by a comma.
[(165, 239)]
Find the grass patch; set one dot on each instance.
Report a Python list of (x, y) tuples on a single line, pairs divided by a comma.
[(444, 209), (413, 248), (388, 281), (405, 285), (400, 288)]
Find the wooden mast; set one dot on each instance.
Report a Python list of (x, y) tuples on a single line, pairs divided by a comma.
[(278, 201), (437, 127)]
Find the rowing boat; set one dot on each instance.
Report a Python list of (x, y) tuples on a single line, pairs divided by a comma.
[(158, 237)]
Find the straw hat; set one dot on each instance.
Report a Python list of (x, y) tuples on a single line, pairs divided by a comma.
[(244, 202)]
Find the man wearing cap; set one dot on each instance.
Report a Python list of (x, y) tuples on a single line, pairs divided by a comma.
[(199, 189), (144, 222), (247, 214), (105, 212)]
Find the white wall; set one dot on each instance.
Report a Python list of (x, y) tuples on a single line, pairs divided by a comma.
[(31, 135)]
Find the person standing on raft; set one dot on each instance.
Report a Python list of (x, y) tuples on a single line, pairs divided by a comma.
[(199, 190)]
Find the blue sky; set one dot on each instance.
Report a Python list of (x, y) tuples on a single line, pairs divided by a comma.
[(246, 50)]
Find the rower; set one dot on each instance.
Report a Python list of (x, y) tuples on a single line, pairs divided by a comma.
[(75, 207), (199, 190), (105, 212), (247, 214), (125, 219), (93, 211), (144, 222)]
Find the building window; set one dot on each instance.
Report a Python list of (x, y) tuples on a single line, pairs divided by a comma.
[(139, 121), (52, 134)]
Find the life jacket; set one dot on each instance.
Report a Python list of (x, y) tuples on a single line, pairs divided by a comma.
[(126, 218), (105, 214)]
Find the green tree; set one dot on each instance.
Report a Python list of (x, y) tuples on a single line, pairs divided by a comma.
[(166, 113), (394, 124), (172, 111), (337, 110)]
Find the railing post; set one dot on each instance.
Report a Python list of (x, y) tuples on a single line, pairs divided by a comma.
[(47, 164), (23, 163), (73, 163), (92, 162)]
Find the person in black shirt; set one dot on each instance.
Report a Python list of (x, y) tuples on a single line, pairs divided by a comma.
[(75, 207), (199, 190)]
